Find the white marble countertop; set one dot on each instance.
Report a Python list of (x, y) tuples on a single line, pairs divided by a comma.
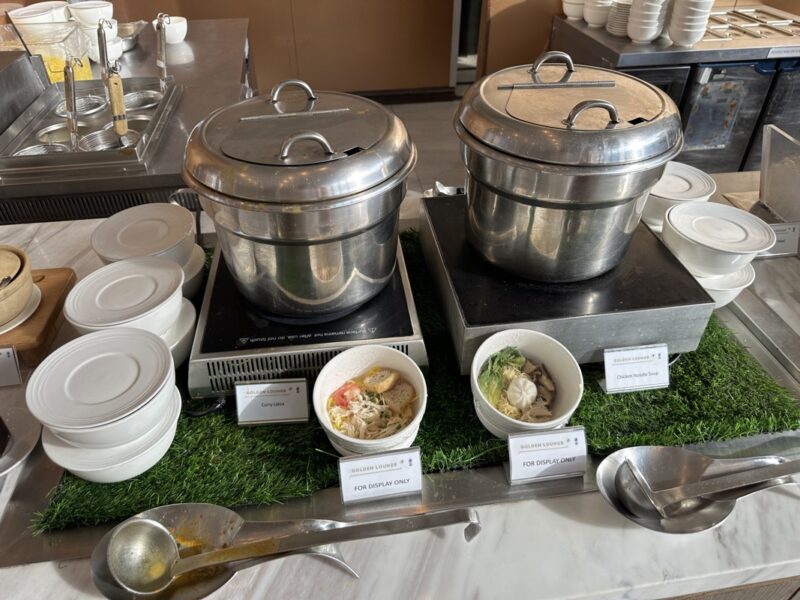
[(568, 547)]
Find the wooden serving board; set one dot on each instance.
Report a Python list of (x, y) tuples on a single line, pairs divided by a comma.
[(32, 339)]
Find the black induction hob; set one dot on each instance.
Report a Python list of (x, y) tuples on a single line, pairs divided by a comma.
[(236, 343), (648, 298)]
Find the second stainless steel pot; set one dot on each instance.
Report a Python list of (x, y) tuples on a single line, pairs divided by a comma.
[(560, 160), (304, 190)]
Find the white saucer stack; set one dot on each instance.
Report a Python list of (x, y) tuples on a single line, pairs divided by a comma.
[(595, 12), (689, 20), (165, 230), (643, 23), (108, 404), (142, 293), (618, 18)]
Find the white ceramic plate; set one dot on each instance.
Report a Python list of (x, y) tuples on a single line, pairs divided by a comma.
[(27, 310), (77, 458), (123, 291), (142, 231), (179, 337), (721, 227), (738, 280), (98, 378)]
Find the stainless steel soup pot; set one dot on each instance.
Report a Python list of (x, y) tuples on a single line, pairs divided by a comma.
[(560, 159), (304, 189)]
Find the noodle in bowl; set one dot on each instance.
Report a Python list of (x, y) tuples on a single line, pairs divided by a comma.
[(352, 364)]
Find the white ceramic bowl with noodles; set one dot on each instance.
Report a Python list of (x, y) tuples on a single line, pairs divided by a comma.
[(540, 349), (354, 363)]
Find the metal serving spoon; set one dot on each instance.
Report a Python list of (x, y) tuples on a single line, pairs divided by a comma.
[(143, 555), (205, 527)]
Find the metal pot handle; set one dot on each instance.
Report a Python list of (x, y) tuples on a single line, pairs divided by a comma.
[(548, 56), (273, 95), (287, 144), (587, 104)]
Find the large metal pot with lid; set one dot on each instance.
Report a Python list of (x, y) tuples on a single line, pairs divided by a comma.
[(304, 189), (560, 159)]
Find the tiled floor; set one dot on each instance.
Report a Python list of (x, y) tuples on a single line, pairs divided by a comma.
[(430, 125)]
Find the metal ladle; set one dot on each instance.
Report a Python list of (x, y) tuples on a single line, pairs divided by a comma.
[(143, 555)]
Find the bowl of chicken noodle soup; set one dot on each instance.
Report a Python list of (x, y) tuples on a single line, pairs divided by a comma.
[(524, 381), (370, 399)]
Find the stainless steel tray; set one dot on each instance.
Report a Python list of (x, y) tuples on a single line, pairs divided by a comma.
[(42, 115)]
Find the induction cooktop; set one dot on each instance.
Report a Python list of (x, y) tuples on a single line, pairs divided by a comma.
[(648, 298), (236, 343)]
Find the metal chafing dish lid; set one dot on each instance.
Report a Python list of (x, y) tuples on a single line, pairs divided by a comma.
[(570, 115), (298, 146)]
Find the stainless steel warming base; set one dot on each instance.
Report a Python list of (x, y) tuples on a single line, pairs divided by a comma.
[(296, 350), (649, 298)]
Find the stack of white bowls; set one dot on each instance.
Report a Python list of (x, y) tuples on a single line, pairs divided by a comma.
[(679, 183), (87, 15), (717, 243), (165, 230), (143, 293), (595, 12), (618, 18), (643, 23), (40, 12), (573, 9), (688, 22), (108, 404)]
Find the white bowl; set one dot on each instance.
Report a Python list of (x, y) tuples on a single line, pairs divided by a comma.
[(179, 337), (354, 363), (90, 12), (723, 240), (541, 349), (175, 29), (595, 17), (725, 289), (113, 49), (574, 12), (684, 38), (157, 229), (142, 293), (193, 272), (34, 13), (110, 465), (126, 429)]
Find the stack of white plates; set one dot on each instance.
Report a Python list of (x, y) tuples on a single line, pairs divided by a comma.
[(144, 293), (717, 243), (643, 23), (595, 12), (679, 183), (108, 403), (688, 22), (165, 230), (618, 18), (573, 9)]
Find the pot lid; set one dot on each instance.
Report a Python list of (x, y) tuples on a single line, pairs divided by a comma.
[(297, 145), (570, 115)]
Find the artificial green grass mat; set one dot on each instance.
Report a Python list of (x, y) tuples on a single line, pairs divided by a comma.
[(718, 392)]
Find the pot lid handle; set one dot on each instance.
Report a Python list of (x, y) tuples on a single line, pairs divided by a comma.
[(273, 95), (587, 104), (552, 55), (287, 144)]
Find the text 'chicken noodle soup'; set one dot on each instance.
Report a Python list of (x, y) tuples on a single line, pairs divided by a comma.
[(375, 405)]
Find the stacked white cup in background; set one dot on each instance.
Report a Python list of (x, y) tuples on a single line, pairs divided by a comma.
[(643, 22), (689, 20), (618, 18), (595, 12), (573, 9)]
